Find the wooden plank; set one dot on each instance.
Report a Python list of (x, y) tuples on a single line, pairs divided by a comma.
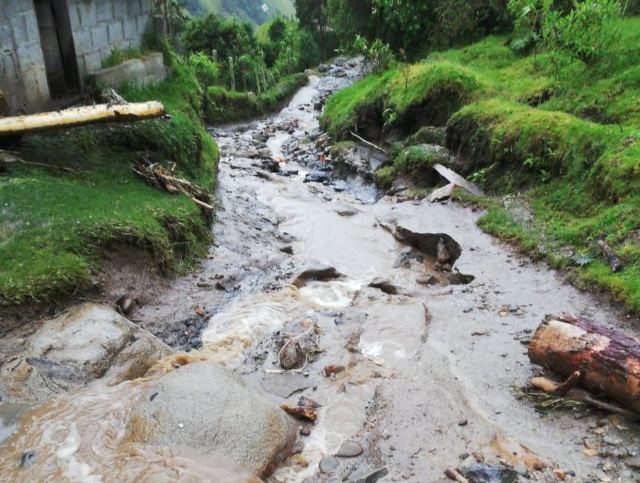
[(80, 116), (453, 177)]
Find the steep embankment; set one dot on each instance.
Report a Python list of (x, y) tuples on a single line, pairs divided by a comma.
[(75, 192), (565, 133)]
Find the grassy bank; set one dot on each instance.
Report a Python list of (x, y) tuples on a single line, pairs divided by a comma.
[(224, 106), (563, 133), (75, 192)]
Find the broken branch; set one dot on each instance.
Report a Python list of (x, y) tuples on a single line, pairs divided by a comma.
[(368, 143)]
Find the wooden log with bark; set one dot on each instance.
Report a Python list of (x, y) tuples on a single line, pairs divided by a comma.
[(79, 116), (606, 360)]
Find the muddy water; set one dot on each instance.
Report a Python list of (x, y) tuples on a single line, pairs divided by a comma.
[(418, 392)]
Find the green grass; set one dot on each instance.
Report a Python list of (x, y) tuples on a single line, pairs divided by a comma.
[(224, 106), (54, 220), (565, 134), (118, 56)]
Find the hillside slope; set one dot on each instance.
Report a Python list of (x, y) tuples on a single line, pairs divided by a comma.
[(255, 12)]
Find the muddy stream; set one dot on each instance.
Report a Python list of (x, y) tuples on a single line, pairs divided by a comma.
[(430, 366)]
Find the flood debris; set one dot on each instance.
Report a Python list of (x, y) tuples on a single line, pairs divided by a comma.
[(454, 178), (601, 359), (308, 413), (160, 177), (333, 369), (384, 285)]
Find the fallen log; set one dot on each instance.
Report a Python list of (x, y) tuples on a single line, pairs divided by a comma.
[(608, 360), (79, 116)]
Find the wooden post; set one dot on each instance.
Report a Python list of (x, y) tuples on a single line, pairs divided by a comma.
[(232, 74)]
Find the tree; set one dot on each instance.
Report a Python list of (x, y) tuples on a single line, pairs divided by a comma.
[(312, 16)]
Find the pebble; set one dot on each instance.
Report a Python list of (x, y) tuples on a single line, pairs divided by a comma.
[(350, 449), (329, 465), (633, 462), (304, 431)]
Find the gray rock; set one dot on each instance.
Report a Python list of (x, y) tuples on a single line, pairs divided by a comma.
[(316, 271), (203, 406), (369, 476), (384, 285), (329, 465), (88, 342), (350, 449), (427, 243)]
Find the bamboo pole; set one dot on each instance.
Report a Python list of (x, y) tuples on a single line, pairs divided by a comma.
[(79, 116)]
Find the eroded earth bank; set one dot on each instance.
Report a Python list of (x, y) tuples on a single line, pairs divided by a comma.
[(393, 327)]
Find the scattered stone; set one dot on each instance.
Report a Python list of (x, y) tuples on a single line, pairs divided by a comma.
[(305, 431), (333, 369), (200, 311), (463, 422), (442, 194), (291, 355), (329, 465), (633, 462), (28, 458), (487, 473), (316, 271), (221, 415), (350, 449), (126, 304), (438, 245), (288, 249), (369, 476), (427, 280), (88, 342), (346, 211), (317, 177), (457, 278), (384, 285)]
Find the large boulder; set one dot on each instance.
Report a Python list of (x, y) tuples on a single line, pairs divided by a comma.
[(86, 343), (203, 406)]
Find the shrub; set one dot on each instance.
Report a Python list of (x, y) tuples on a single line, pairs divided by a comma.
[(207, 71)]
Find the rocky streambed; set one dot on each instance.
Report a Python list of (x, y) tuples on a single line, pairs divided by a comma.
[(335, 333)]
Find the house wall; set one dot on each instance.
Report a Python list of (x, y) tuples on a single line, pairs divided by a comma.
[(100, 26), (23, 77)]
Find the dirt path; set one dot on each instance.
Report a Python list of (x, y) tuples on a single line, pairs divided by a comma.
[(419, 398)]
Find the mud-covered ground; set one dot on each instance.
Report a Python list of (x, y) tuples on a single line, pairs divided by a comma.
[(410, 373), (419, 395)]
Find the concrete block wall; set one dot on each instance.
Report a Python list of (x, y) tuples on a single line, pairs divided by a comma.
[(101, 26), (23, 77)]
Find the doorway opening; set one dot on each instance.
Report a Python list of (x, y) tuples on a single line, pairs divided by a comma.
[(59, 52)]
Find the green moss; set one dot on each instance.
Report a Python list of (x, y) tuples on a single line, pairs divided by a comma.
[(224, 106), (425, 94), (54, 219)]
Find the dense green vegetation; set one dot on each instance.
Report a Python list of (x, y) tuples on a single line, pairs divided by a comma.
[(222, 105), (554, 117), (76, 192)]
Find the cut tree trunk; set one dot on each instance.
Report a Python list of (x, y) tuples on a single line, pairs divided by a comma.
[(608, 359), (79, 116)]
